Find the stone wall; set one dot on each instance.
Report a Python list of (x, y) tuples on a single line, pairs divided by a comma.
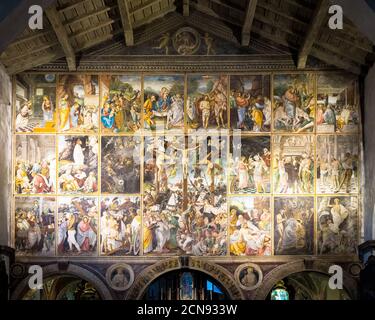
[(5, 155)]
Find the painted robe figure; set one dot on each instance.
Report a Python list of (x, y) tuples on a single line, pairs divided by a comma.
[(64, 113), (107, 116)]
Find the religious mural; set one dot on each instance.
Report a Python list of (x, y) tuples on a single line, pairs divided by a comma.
[(35, 225), (250, 103), (337, 104), (120, 226), (294, 102), (294, 225), (250, 226), (337, 225), (293, 164), (250, 164), (35, 166), (204, 227), (141, 175), (207, 102), (164, 103), (337, 163), (77, 226), (120, 164), (163, 188), (121, 104), (35, 103), (78, 103), (78, 164)]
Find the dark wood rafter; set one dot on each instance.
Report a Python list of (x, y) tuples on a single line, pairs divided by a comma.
[(126, 22), (249, 17), (89, 15), (216, 27), (97, 40), (150, 32), (293, 43), (186, 8), (358, 48), (61, 34), (32, 36), (144, 5), (208, 11), (317, 52), (323, 52), (101, 25), (73, 6), (315, 26), (158, 14), (31, 53), (298, 28), (35, 61)]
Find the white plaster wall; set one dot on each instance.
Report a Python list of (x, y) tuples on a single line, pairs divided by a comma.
[(5, 156), (369, 156)]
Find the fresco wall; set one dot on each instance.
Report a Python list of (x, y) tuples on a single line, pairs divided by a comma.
[(205, 165)]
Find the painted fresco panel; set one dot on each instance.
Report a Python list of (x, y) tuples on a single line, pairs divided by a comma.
[(250, 103)]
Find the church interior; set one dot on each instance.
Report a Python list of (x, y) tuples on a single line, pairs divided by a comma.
[(187, 149)]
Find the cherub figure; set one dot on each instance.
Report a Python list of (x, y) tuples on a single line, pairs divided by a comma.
[(209, 41), (164, 42)]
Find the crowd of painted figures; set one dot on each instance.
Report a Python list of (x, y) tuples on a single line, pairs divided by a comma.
[(199, 164)]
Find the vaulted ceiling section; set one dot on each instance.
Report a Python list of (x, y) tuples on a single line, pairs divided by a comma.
[(300, 27)]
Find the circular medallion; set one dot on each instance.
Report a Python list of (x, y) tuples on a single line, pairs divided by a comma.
[(50, 77), (249, 276), (120, 276), (17, 270), (186, 41), (355, 269)]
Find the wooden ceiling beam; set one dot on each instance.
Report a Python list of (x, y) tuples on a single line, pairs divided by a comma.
[(323, 55), (326, 46), (246, 28), (126, 22), (150, 32), (11, 59), (73, 6), (143, 6), (88, 15), (334, 60), (32, 62), (319, 16), (103, 24), (211, 13), (186, 8), (155, 16), (336, 34), (99, 40), (215, 27), (34, 35), (58, 27)]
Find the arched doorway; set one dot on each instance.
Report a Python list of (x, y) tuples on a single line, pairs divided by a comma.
[(222, 277), (63, 287), (185, 284), (306, 285), (80, 275)]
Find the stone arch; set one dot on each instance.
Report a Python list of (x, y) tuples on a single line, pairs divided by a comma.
[(71, 270), (285, 270), (149, 274)]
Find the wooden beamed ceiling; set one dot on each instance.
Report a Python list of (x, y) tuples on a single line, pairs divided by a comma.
[(301, 26)]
